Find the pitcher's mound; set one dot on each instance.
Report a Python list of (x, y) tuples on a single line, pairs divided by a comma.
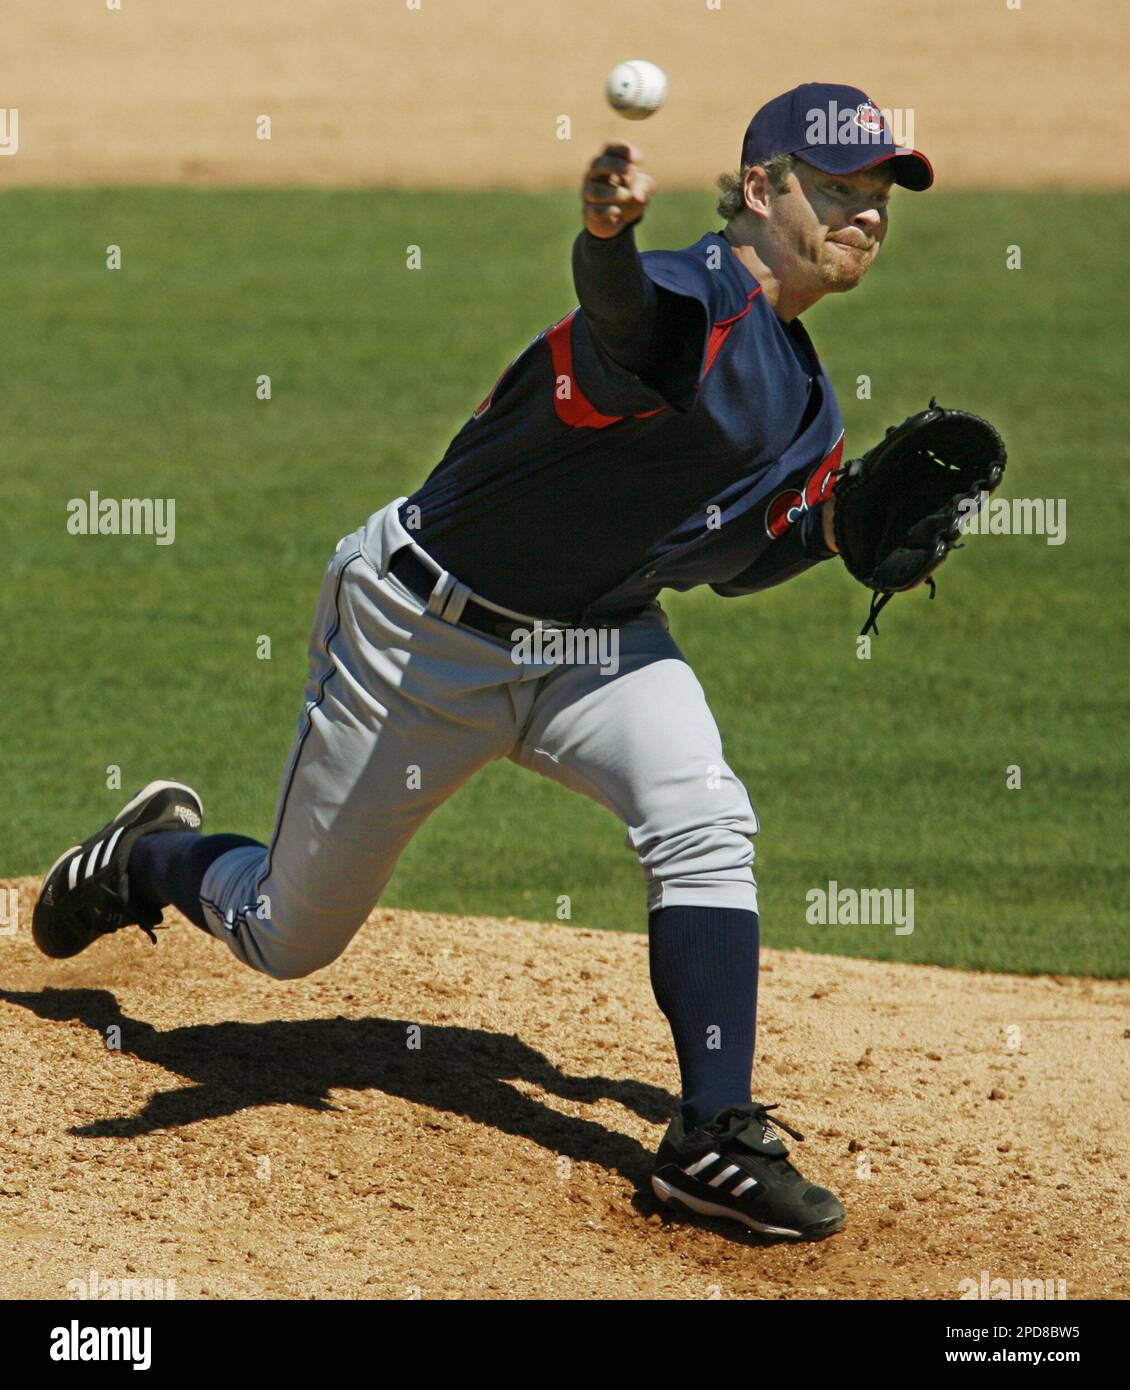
[(467, 1108)]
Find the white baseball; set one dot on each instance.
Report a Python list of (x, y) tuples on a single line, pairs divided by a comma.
[(636, 89)]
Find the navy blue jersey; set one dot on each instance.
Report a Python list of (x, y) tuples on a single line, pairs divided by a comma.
[(578, 490)]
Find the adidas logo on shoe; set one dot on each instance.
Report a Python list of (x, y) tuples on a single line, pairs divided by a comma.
[(188, 816), (744, 1175)]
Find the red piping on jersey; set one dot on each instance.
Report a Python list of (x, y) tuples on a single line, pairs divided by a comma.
[(577, 410), (720, 331)]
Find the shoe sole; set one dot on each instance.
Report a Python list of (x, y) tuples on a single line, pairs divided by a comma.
[(145, 793), (674, 1197), (151, 789)]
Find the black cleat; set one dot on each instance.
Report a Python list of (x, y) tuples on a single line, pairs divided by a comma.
[(86, 892), (736, 1167)]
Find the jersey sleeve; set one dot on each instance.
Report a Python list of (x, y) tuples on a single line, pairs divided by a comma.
[(664, 363), (801, 547)]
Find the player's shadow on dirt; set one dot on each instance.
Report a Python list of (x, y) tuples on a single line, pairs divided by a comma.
[(466, 1071)]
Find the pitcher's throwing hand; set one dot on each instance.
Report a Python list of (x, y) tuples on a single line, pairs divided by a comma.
[(615, 190)]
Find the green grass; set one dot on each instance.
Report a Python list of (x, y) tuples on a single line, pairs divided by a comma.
[(888, 772)]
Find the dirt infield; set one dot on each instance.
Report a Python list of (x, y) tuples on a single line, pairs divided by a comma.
[(250, 1139), (465, 95)]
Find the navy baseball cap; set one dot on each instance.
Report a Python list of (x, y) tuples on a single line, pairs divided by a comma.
[(838, 130)]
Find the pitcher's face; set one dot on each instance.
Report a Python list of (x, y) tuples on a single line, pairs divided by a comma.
[(827, 228)]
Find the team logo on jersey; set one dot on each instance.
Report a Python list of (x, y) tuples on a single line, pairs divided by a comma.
[(869, 118), (788, 507)]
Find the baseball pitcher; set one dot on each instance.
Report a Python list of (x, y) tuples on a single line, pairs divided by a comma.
[(674, 429)]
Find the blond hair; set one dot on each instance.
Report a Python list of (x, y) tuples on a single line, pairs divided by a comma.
[(732, 202)]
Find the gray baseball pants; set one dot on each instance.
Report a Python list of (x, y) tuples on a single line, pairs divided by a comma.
[(403, 705)]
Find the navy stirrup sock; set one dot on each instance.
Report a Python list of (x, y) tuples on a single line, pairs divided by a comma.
[(704, 974), (169, 867)]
